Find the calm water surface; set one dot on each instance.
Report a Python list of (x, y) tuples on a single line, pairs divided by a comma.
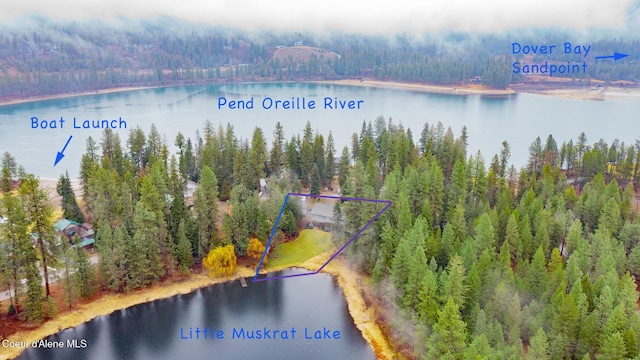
[(153, 330), (518, 119)]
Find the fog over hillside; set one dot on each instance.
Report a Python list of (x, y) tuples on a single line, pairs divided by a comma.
[(376, 17)]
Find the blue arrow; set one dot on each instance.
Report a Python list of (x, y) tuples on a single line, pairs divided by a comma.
[(615, 56), (61, 152)]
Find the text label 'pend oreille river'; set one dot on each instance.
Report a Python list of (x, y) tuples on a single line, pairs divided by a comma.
[(294, 103)]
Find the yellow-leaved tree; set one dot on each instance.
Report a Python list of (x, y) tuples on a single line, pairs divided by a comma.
[(255, 250), (221, 261)]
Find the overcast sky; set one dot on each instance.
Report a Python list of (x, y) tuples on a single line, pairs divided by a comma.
[(370, 17)]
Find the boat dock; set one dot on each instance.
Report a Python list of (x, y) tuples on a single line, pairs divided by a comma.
[(243, 282)]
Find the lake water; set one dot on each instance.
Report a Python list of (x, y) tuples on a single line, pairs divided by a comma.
[(517, 119), (160, 329)]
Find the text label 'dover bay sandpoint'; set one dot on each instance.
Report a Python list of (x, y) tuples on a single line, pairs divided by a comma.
[(294, 103), (118, 123), (554, 67)]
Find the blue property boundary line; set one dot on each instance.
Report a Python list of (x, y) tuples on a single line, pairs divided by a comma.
[(275, 227)]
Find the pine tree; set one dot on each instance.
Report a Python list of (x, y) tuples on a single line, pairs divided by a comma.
[(478, 349), (104, 247), (68, 260), (85, 277), (630, 343), (319, 157), (458, 183), (427, 307), (183, 251), (143, 253), (153, 196), (526, 238), (612, 348), (292, 157), (257, 159), (306, 161), (9, 171), (417, 273), (485, 234), (120, 267), (21, 260), (205, 206), (453, 286), (564, 323), (137, 264), (537, 277), (473, 284), (330, 161), (33, 305), (512, 238), (436, 194), (241, 168), (276, 157), (39, 215), (51, 310), (88, 164), (539, 348), (610, 219), (70, 208), (448, 340), (315, 181), (447, 245), (401, 265), (240, 225), (343, 167)]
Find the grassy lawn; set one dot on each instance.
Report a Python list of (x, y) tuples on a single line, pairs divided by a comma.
[(309, 244)]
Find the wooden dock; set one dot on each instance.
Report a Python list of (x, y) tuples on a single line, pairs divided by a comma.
[(243, 282)]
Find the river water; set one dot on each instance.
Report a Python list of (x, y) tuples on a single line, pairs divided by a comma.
[(517, 119), (161, 329)]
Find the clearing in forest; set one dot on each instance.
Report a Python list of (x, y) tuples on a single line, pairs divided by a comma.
[(321, 215), (309, 243)]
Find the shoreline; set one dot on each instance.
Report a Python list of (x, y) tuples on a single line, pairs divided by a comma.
[(363, 316), (592, 93), (71, 95), (596, 93), (113, 302), (426, 88)]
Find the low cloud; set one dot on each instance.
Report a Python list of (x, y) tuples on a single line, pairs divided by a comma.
[(372, 17)]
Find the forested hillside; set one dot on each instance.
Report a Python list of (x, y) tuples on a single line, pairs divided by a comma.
[(474, 259), (63, 58)]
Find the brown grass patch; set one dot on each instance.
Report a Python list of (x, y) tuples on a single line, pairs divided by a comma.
[(303, 53)]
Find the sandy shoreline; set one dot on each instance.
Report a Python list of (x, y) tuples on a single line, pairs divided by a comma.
[(70, 95), (598, 93), (364, 317), (428, 88), (593, 93)]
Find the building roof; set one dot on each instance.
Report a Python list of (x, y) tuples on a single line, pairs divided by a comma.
[(192, 185), (62, 224), (85, 242), (323, 210), (190, 189)]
